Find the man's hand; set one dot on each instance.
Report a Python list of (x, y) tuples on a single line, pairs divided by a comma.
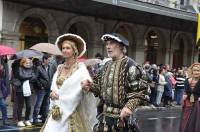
[(125, 113), (86, 85), (54, 95)]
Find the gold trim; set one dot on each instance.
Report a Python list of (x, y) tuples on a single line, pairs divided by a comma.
[(115, 82)]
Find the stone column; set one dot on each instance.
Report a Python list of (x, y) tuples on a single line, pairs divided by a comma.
[(1, 15), (52, 39), (139, 52), (168, 48), (170, 57), (11, 39), (96, 45), (1, 19)]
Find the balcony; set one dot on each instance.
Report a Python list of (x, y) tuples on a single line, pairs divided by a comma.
[(132, 11), (186, 5), (167, 3)]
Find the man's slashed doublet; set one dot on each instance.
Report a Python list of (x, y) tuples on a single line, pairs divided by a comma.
[(117, 84)]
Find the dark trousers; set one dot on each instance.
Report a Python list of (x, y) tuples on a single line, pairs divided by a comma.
[(40, 93), (178, 95), (45, 106), (21, 99), (111, 125), (3, 107), (153, 95), (167, 100), (15, 103)]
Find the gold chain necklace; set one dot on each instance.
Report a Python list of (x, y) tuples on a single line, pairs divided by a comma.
[(68, 66), (70, 71)]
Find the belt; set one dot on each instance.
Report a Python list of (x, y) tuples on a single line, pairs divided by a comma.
[(111, 110)]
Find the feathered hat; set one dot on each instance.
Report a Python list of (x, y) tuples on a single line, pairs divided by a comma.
[(116, 37), (80, 43)]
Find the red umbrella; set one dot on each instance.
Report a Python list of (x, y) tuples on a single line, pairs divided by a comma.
[(5, 50)]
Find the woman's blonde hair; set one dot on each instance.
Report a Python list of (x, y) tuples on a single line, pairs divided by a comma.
[(73, 45), (190, 69), (22, 61)]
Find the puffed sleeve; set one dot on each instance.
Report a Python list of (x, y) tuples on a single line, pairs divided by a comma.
[(134, 93), (96, 86)]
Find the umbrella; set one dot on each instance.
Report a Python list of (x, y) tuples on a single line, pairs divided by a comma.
[(47, 47), (82, 59), (28, 53), (91, 62), (5, 50)]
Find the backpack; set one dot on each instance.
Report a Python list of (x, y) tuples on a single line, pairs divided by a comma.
[(173, 80)]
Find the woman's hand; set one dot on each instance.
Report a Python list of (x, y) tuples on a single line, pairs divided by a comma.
[(54, 95), (86, 85), (184, 97), (1, 67)]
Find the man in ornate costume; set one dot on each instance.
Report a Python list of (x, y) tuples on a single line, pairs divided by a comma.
[(117, 85)]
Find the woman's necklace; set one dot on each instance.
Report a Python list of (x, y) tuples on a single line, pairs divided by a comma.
[(66, 73), (67, 66), (192, 85)]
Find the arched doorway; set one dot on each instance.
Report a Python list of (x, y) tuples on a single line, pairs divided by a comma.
[(32, 31), (151, 47), (178, 53), (124, 30), (81, 29), (121, 30)]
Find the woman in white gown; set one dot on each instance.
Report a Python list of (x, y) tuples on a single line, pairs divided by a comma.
[(71, 109)]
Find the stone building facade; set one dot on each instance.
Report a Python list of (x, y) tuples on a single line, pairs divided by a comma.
[(23, 25)]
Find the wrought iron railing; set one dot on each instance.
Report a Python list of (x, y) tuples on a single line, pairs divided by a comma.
[(176, 4)]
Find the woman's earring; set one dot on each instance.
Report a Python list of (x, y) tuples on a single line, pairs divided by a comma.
[(74, 55)]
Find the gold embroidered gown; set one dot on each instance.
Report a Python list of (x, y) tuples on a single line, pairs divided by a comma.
[(77, 108)]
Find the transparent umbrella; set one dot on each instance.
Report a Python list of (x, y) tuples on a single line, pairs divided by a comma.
[(91, 62), (28, 53), (47, 47)]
